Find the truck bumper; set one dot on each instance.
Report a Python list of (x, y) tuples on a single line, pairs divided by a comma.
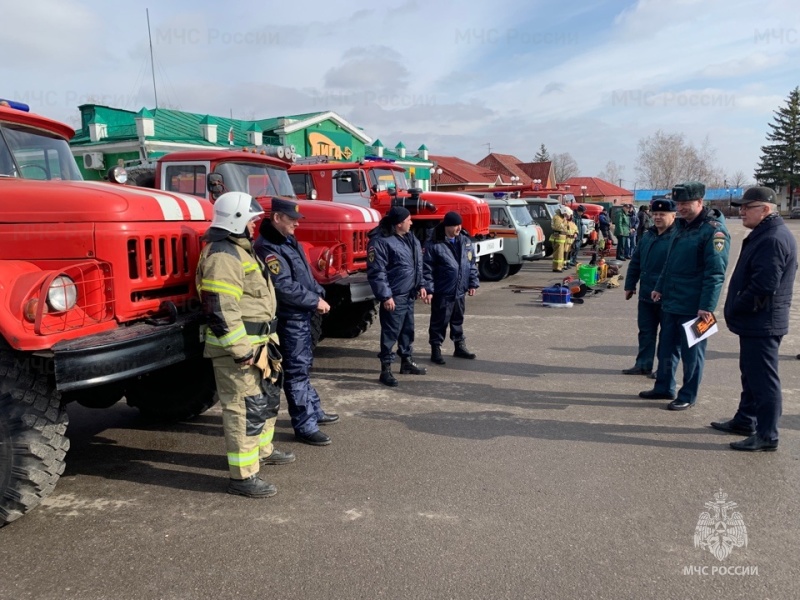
[(125, 352), (488, 246), (539, 253), (356, 286)]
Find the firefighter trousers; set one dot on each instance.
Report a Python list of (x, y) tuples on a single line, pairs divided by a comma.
[(559, 248), (249, 410)]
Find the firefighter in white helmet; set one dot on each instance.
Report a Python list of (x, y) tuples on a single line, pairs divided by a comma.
[(559, 237), (239, 305)]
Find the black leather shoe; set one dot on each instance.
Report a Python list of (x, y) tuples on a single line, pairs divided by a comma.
[(654, 395), (436, 355), (409, 367), (279, 458), (652, 375), (731, 427), (252, 487), (387, 378), (755, 443), (636, 371), (315, 439), (679, 405), (327, 418)]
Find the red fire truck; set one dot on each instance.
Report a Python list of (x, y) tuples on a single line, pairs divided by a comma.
[(381, 184), (334, 237), (97, 302)]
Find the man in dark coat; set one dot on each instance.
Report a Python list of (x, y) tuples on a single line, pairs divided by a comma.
[(757, 310), (645, 267), (299, 297), (450, 273), (688, 287), (394, 272)]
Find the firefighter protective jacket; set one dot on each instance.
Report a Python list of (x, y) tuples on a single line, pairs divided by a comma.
[(449, 269), (297, 291), (394, 263), (238, 302), (559, 226)]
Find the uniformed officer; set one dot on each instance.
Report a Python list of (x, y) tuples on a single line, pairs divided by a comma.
[(644, 269), (450, 273), (559, 238), (299, 297), (688, 287), (757, 310), (239, 305), (394, 271)]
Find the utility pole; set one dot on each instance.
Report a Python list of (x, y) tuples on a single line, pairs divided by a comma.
[(152, 65)]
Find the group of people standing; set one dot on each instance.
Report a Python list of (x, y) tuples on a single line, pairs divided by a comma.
[(566, 237), (679, 267)]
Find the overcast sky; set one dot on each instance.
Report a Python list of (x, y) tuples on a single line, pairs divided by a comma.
[(589, 78)]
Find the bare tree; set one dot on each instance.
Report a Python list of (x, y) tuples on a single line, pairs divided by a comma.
[(666, 159), (738, 179), (613, 173), (564, 166)]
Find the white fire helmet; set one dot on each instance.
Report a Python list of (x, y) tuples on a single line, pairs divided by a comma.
[(565, 210), (234, 210)]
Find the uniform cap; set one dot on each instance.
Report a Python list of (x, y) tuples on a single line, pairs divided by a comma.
[(581, 208), (397, 214), (757, 194), (663, 206), (452, 218), (688, 191), (287, 207)]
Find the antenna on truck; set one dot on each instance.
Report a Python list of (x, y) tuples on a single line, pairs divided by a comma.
[(152, 65)]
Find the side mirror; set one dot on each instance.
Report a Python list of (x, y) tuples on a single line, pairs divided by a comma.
[(215, 184)]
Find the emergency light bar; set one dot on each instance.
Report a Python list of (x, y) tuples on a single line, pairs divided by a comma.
[(15, 105)]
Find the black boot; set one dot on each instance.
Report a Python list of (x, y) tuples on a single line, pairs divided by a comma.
[(386, 377), (436, 354), (461, 351), (409, 367), (252, 487)]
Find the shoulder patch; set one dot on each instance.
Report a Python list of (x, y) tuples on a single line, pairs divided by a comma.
[(719, 244), (719, 234), (469, 255), (273, 264), (371, 254)]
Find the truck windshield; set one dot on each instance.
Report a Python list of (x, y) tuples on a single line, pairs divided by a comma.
[(521, 215), (33, 154), (381, 180), (256, 179)]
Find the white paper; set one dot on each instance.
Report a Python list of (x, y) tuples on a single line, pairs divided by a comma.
[(691, 338)]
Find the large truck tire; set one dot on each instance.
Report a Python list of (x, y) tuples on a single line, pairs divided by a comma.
[(514, 269), (176, 393), (350, 320), (33, 442), (493, 268)]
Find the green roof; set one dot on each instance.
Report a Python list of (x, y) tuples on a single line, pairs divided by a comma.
[(377, 144), (400, 145)]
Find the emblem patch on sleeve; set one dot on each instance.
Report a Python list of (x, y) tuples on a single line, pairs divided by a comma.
[(469, 255), (719, 244), (273, 264), (371, 255)]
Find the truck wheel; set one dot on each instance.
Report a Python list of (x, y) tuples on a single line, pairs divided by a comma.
[(32, 438), (176, 393), (493, 268), (513, 269), (350, 320)]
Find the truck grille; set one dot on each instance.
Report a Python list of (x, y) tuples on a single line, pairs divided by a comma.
[(158, 258), (360, 240)]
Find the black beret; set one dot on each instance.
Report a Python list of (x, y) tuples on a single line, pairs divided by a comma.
[(688, 191), (756, 194), (286, 207), (452, 218), (397, 214), (663, 206)]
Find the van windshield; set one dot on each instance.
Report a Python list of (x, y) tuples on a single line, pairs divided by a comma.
[(521, 215)]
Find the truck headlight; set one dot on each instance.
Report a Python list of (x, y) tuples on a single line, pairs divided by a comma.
[(62, 295)]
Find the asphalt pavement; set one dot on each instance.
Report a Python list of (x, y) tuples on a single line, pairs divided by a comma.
[(534, 471)]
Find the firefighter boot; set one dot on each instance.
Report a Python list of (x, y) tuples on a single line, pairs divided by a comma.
[(436, 354), (461, 350), (409, 367), (386, 375), (252, 487)]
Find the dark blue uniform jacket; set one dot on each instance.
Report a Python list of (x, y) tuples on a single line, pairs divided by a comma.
[(760, 289), (297, 291), (449, 270), (394, 263), (647, 262)]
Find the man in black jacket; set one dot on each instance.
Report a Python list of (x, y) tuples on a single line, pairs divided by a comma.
[(450, 273), (299, 297), (757, 310)]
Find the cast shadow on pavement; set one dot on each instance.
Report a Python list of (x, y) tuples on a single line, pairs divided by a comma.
[(631, 351), (487, 425)]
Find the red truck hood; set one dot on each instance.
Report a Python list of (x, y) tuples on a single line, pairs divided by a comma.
[(316, 211), (29, 201)]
